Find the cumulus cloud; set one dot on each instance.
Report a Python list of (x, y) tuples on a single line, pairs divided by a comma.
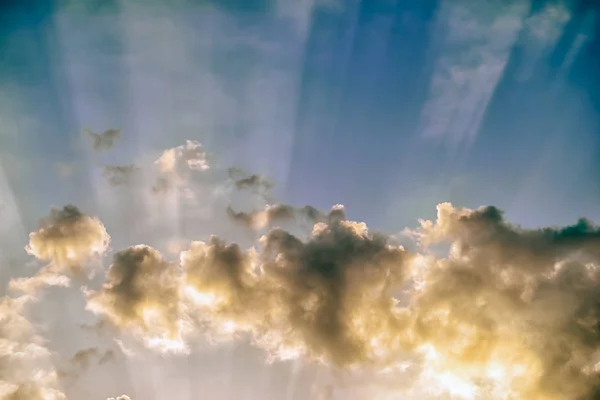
[(334, 291), (142, 293), (507, 310), (67, 239), (26, 372), (504, 313), (326, 297), (191, 156), (180, 168), (512, 302), (104, 140)]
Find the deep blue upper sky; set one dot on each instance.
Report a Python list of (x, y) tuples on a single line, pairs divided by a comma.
[(387, 106)]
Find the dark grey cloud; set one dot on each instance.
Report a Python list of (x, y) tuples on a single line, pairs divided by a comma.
[(120, 175), (103, 141)]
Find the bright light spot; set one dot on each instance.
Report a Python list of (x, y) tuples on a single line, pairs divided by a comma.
[(290, 353), (230, 327), (496, 372), (71, 255), (201, 299), (166, 345), (442, 381), (455, 385)]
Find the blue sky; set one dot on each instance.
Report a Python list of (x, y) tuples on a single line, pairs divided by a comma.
[(386, 106)]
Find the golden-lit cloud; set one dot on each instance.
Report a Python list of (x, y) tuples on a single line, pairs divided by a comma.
[(141, 294), (191, 156), (26, 372), (177, 167), (482, 309), (511, 304), (507, 312), (222, 288), (67, 240), (326, 297), (334, 292)]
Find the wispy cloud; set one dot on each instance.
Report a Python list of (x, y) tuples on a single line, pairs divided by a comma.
[(476, 39), (542, 29)]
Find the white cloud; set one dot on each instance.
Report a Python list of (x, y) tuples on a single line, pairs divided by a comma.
[(476, 39)]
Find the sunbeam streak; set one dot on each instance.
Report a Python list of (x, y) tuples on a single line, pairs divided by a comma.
[(282, 200)]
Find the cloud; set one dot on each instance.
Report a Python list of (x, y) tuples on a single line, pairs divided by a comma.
[(277, 213), (122, 397), (181, 169), (326, 297), (512, 302), (141, 293), (119, 175), (254, 182), (26, 372), (189, 156), (541, 32), (507, 309), (83, 358), (477, 40), (334, 290), (68, 240), (222, 287), (482, 308), (105, 140)]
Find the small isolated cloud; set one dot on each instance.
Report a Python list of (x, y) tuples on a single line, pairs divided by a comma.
[(105, 140), (189, 156), (178, 166), (83, 358), (68, 240), (120, 175), (254, 182)]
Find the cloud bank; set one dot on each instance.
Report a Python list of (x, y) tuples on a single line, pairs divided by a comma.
[(503, 313)]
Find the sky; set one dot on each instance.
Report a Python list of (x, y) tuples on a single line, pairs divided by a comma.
[(129, 123)]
